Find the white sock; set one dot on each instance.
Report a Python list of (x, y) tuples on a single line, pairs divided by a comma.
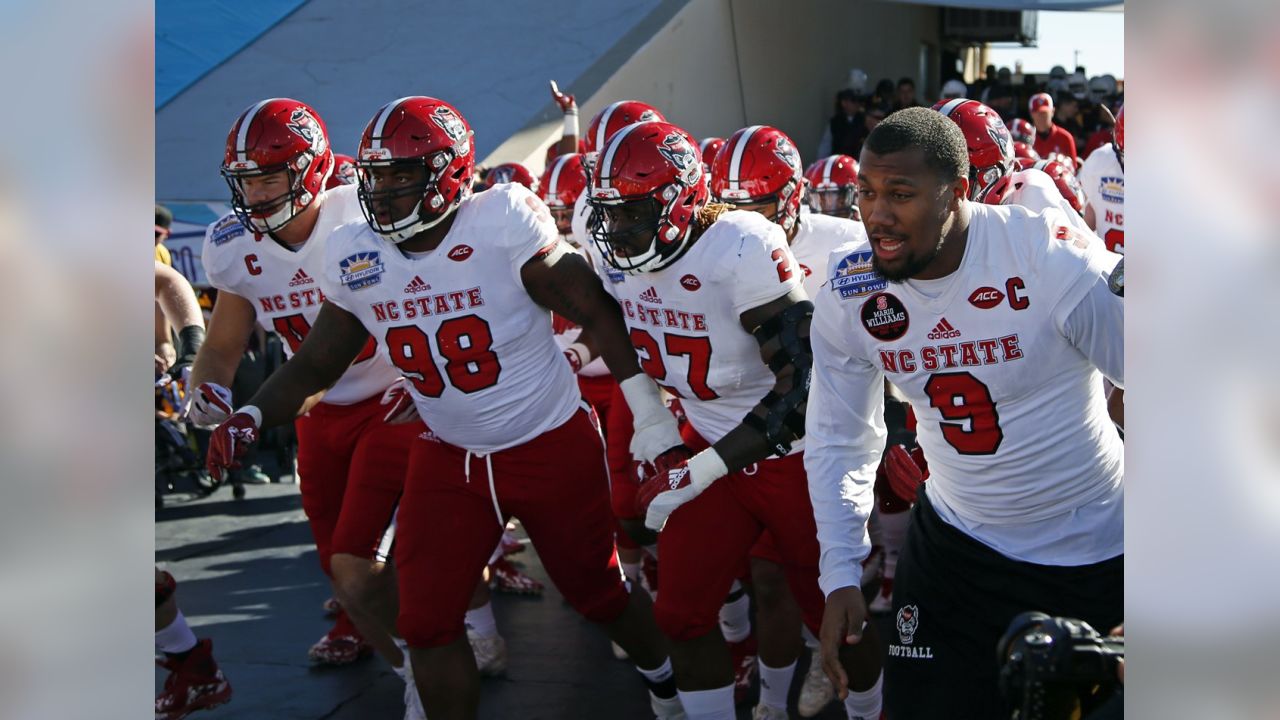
[(893, 530), (481, 621), (714, 704), (631, 571), (774, 684), (177, 637), (403, 669), (864, 705), (735, 615), (658, 674), (810, 641)]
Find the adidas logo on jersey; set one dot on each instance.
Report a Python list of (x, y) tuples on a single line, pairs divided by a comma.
[(300, 278), (943, 330), (416, 285), (651, 296)]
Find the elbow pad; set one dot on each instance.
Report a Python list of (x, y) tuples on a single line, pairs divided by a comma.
[(784, 340)]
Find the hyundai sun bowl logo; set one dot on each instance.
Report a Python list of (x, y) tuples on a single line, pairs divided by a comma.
[(361, 270)]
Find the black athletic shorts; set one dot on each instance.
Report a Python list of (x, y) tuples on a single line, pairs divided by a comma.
[(953, 597)]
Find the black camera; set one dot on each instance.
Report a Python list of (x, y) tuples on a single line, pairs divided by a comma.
[(1054, 667)]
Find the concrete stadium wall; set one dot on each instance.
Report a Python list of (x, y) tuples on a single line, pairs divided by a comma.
[(718, 65)]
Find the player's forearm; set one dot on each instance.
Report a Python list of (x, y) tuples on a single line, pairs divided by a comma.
[(286, 392), (177, 299), (215, 363), (608, 338)]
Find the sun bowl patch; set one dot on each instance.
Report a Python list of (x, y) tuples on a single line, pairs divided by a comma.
[(226, 230), (854, 277), (1112, 189), (361, 270)]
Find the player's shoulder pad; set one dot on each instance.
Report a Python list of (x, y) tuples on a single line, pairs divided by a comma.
[(738, 236), (351, 237), (347, 199), (850, 274), (223, 243), (506, 204)]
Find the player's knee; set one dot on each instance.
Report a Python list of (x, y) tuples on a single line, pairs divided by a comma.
[(422, 631), (681, 624), (166, 586), (635, 529), (769, 581), (601, 607), (352, 577)]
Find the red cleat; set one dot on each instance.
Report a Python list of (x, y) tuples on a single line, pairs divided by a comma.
[(342, 645), (194, 683), (507, 578)]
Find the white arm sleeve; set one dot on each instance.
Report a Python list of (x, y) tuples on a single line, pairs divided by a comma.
[(844, 439), (1095, 326)]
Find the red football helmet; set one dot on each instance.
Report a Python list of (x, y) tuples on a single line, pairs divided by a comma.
[(833, 186), (1025, 163), (709, 147), (344, 171), (760, 164), (1022, 131), (615, 117), (1064, 177), (561, 184), (645, 193), (277, 135), (511, 173), (1024, 151), (1120, 133), (419, 132), (990, 146)]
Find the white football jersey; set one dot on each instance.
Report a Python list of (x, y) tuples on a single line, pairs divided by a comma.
[(1004, 381), (684, 319), (1036, 191), (283, 286), (484, 368), (817, 237), (1102, 179)]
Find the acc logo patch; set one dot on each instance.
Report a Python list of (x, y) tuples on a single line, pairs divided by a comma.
[(460, 253), (226, 230), (1112, 189), (690, 282), (885, 317), (361, 270), (986, 297), (854, 277)]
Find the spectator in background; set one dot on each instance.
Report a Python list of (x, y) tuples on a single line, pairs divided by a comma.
[(874, 115), (883, 94), (1067, 117), (953, 89), (1002, 84), (1000, 99), (1049, 137), (846, 129), (164, 219), (905, 96)]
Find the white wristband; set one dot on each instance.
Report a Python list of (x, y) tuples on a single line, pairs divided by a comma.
[(642, 396), (581, 352), (705, 468), (253, 412), (571, 123)]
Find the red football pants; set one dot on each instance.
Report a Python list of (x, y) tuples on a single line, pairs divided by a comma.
[(456, 505), (705, 541)]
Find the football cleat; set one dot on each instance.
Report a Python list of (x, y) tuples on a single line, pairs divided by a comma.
[(194, 683), (342, 645), (490, 652)]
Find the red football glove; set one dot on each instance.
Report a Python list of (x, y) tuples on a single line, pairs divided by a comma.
[(229, 442), (904, 471), (668, 472), (565, 102)]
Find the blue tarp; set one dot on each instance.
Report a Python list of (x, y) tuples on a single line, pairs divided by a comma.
[(196, 36)]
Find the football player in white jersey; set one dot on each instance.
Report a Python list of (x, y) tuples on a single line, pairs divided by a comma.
[(833, 187), (758, 170), (995, 323), (455, 290), (265, 259), (716, 312), (1102, 179), (993, 177)]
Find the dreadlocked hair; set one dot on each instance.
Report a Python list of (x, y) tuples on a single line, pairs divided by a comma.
[(709, 214)]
